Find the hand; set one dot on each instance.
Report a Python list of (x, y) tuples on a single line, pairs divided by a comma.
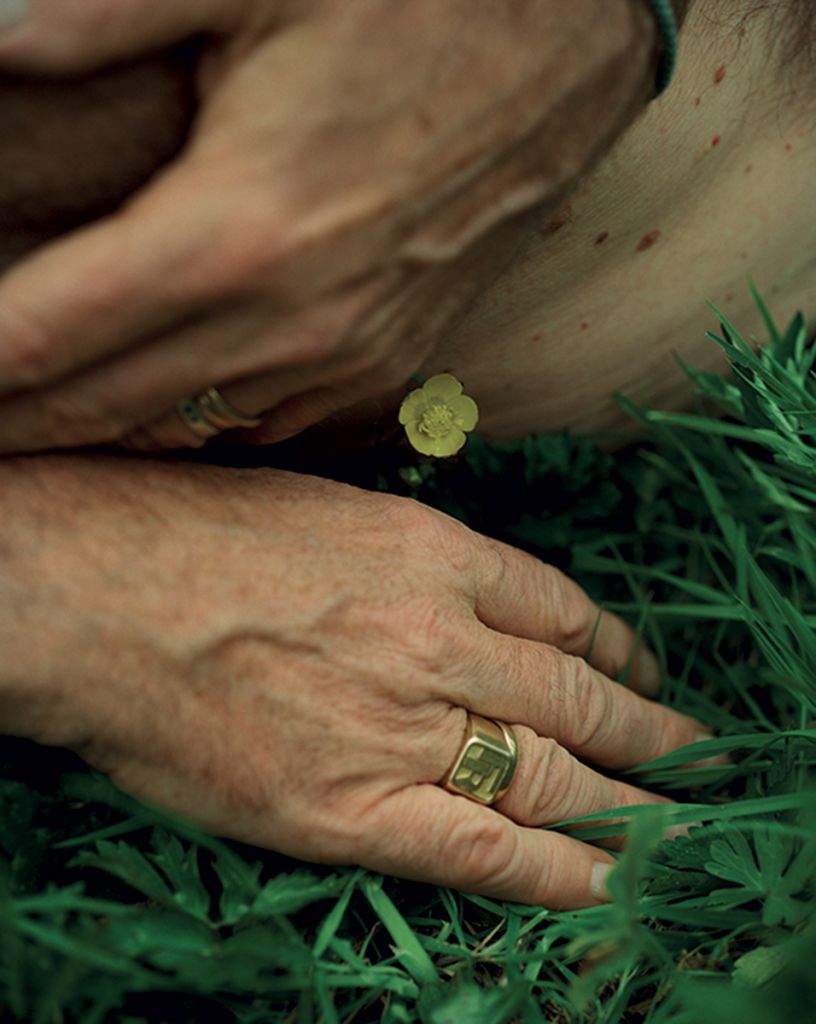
[(350, 185), (287, 661)]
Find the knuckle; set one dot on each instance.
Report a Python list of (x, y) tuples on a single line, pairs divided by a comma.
[(486, 852), (247, 255), (494, 560), (453, 544), (29, 344), (430, 635), (265, 255), (591, 702), (420, 525), (574, 629), (551, 783)]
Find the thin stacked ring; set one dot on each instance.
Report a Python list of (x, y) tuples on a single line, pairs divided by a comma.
[(210, 413)]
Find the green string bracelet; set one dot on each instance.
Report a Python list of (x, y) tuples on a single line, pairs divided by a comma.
[(670, 34)]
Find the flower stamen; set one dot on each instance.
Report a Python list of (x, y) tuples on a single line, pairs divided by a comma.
[(436, 420), (437, 417)]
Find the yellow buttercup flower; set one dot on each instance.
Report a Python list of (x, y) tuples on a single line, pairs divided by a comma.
[(437, 416)]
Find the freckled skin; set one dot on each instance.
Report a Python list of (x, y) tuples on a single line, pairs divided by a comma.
[(567, 377), (648, 240), (644, 300), (559, 219)]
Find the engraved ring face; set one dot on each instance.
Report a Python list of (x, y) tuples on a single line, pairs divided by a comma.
[(484, 768)]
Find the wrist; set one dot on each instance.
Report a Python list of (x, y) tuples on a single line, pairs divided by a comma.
[(34, 696)]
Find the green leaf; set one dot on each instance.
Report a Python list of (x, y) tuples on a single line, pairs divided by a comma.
[(760, 965), (409, 949), (180, 868)]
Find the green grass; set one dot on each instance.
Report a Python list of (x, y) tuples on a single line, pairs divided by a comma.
[(704, 535)]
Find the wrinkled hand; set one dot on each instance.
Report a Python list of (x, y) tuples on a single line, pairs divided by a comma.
[(287, 661), (345, 193)]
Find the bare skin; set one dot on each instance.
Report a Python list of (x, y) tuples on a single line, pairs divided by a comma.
[(317, 717), (329, 216), (693, 199), (471, 626), (71, 154), (604, 291)]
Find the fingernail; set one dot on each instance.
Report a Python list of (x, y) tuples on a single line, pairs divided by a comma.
[(674, 831), (12, 12), (650, 675), (597, 881), (716, 759)]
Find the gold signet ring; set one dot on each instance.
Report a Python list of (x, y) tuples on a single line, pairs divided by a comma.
[(484, 767)]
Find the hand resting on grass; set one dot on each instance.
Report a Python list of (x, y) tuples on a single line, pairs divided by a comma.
[(287, 661)]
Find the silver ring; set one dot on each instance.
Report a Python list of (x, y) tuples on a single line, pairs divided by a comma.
[(209, 413)]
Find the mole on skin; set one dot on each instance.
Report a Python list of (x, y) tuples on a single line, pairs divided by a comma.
[(648, 240), (559, 219)]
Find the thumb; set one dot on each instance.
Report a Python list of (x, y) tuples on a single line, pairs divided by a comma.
[(74, 36)]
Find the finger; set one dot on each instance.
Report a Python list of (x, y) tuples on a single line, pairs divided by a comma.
[(355, 428), (562, 697), (105, 402), (321, 367), (102, 403), (517, 594), (291, 414), (550, 785), (427, 834), (106, 287), (289, 402), (83, 35)]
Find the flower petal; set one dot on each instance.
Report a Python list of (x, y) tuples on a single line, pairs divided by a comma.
[(411, 408), (465, 412), (443, 385), (421, 442), (449, 444)]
